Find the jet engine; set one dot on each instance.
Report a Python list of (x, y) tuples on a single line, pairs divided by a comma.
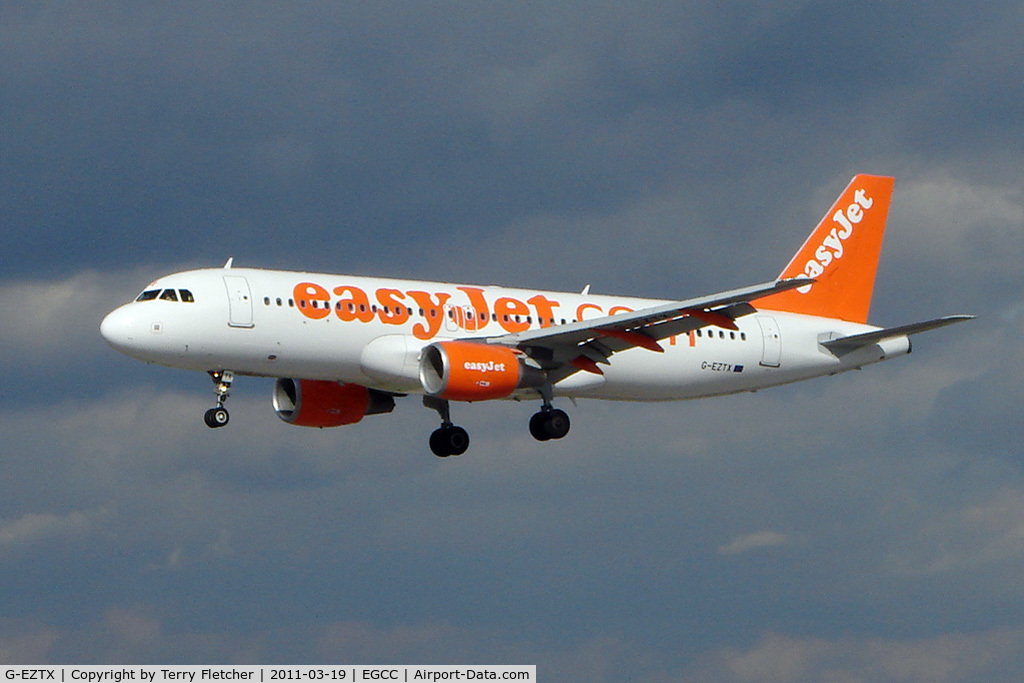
[(316, 403), (471, 371)]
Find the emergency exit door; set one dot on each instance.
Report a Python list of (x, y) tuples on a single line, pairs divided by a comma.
[(771, 355)]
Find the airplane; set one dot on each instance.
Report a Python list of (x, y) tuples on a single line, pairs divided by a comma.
[(343, 347)]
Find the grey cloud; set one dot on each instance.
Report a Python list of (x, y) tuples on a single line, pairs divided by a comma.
[(44, 318), (754, 541), (490, 519), (990, 655), (302, 124), (32, 527), (25, 642)]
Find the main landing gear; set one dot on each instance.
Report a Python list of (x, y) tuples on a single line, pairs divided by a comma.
[(448, 439), (218, 417), (549, 423)]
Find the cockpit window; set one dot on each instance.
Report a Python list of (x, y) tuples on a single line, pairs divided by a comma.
[(167, 295)]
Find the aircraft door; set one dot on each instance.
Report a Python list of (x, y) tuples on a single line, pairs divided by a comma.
[(771, 356), (239, 301)]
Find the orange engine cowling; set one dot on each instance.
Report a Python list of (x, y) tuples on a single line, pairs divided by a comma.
[(471, 371), (316, 403)]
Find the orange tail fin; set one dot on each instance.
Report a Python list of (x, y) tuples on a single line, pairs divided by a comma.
[(841, 254)]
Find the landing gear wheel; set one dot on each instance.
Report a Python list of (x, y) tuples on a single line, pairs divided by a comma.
[(450, 440), (437, 443), (458, 440), (557, 424), (549, 424), (537, 429), (216, 417)]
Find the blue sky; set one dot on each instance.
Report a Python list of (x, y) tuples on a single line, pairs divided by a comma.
[(865, 527)]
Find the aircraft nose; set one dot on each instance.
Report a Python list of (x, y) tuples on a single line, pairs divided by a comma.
[(117, 330)]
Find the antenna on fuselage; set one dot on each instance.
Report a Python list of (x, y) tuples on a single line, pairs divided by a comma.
[(227, 266)]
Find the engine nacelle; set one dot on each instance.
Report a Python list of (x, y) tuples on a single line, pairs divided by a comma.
[(471, 371), (316, 403)]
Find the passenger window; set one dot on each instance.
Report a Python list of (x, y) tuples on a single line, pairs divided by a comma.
[(266, 301), (148, 295), (186, 296), (169, 295), (278, 301)]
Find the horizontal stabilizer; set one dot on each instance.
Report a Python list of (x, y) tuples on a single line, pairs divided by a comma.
[(845, 345)]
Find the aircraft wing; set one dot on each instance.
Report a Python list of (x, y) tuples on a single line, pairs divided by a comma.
[(845, 345), (563, 350)]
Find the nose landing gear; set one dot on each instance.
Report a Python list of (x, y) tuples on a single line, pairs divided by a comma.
[(218, 417)]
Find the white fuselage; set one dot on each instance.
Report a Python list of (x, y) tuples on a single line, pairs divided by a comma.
[(370, 331)]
